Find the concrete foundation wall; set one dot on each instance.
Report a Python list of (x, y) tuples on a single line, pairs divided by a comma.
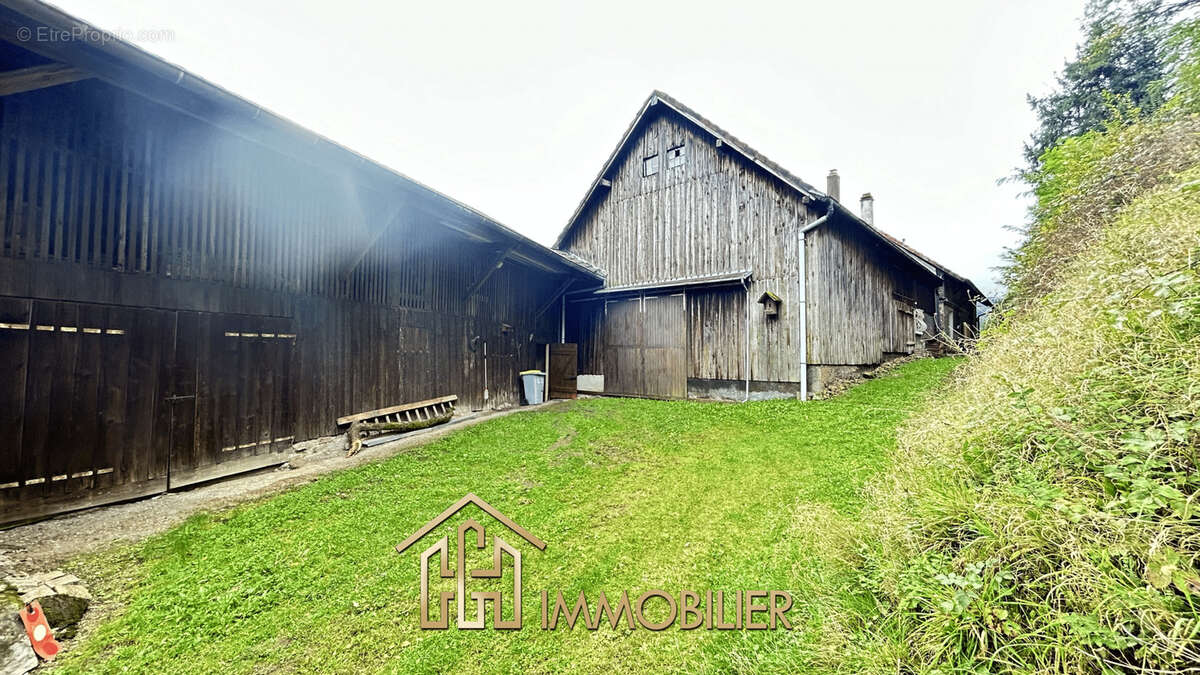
[(735, 390), (820, 378)]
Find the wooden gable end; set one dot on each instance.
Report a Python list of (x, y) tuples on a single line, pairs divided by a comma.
[(677, 206)]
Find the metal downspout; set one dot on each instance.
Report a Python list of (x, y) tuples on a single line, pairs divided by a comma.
[(801, 256), (746, 340)]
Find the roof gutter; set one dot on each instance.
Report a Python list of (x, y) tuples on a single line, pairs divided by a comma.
[(746, 340)]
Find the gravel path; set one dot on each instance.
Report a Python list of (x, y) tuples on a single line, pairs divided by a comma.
[(44, 544)]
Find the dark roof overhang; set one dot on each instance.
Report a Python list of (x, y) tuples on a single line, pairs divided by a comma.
[(121, 64)]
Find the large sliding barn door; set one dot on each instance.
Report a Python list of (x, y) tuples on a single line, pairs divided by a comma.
[(645, 347), (101, 403), (233, 396), (665, 349), (81, 419), (623, 369)]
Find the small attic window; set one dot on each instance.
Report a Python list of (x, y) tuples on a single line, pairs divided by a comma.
[(675, 156), (650, 165)]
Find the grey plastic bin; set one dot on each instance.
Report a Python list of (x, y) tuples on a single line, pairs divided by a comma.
[(534, 382)]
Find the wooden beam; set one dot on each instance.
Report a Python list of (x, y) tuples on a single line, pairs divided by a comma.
[(496, 264), (528, 260), (38, 77), (557, 294), (387, 224), (470, 235)]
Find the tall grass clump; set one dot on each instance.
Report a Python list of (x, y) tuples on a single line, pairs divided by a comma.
[(1042, 513)]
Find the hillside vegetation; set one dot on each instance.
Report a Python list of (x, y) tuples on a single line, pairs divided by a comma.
[(1041, 513)]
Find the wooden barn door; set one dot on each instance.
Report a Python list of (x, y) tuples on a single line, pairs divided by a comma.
[(81, 422), (100, 403), (665, 346), (232, 397), (563, 371), (645, 347), (623, 367)]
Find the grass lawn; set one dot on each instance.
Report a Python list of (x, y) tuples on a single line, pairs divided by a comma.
[(628, 494)]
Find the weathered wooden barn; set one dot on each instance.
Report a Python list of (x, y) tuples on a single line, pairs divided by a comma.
[(727, 276), (189, 284)]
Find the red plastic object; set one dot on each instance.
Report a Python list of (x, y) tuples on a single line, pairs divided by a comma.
[(39, 631)]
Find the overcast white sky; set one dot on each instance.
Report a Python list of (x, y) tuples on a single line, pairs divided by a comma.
[(512, 107)]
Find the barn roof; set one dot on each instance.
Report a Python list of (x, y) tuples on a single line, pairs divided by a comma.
[(945, 270), (764, 163), (102, 55), (686, 282)]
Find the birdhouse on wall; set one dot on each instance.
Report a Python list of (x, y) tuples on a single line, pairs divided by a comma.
[(771, 304)]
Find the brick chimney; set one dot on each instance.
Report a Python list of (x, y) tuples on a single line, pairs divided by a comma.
[(833, 184), (867, 207)]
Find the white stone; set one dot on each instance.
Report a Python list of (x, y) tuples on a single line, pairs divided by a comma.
[(16, 654)]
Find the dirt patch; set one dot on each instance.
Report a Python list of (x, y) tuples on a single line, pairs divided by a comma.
[(844, 384), (595, 453), (45, 544), (614, 454), (521, 481), (563, 441), (590, 410)]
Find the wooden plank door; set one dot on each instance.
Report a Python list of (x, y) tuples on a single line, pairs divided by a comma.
[(243, 396), (623, 368), (81, 418), (14, 360), (180, 393), (563, 370), (665, 346), (645, 347)]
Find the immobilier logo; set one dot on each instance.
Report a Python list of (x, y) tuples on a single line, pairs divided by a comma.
[(653, 609)]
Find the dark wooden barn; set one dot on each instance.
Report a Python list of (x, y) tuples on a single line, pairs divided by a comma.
[(190, 284), (727, 276)]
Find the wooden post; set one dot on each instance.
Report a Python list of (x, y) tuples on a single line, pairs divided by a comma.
[(495, 265), (387, 224)]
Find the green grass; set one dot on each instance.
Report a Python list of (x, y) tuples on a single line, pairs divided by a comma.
[(628, 494), (1041, 514)]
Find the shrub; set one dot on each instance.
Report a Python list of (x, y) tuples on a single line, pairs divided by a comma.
[(1042, 513)]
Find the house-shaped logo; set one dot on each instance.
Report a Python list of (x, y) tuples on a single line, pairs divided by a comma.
[(470, 532)]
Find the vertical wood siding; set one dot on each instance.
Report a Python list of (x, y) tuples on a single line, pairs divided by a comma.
[(716, 333), (860, 301), (714, 214), (718, 213), (117, 213), (645, 348)]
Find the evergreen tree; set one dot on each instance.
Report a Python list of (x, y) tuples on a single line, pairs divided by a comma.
[(1119, 65)]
